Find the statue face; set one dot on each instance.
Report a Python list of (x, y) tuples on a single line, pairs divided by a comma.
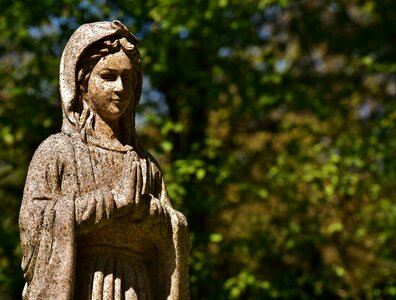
[(110, 86)]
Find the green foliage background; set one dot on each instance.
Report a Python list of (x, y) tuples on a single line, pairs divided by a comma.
[(274, 121)]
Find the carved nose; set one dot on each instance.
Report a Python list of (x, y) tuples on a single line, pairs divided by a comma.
[(118, 85)]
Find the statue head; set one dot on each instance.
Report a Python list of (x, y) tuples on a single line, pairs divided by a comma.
[(87, 52)]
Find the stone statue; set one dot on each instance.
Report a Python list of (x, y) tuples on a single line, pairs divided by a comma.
[(96, 221)]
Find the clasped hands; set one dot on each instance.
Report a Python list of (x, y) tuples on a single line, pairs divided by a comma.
[(127, 193)]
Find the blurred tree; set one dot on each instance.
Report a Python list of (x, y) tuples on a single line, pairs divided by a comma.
[(273, 120)]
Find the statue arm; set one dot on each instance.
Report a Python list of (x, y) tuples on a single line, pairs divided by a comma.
[(179, 242), (52, 180), (175, 250), (45, 211), (94, 207)]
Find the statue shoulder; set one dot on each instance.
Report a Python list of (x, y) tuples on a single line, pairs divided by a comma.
[(155, 166), (56, 145)]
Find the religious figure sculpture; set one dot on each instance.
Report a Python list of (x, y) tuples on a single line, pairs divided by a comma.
[(95, 220)]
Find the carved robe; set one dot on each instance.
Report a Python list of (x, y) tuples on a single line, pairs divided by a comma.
[(78, 245)]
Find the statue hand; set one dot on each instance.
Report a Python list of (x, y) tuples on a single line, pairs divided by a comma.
[(124, 192)]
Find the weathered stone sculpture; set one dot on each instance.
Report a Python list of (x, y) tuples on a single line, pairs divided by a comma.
[(96, 221)]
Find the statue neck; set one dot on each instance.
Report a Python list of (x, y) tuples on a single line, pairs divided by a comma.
[(108, 130)]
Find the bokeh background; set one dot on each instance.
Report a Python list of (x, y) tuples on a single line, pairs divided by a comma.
[(273, 120)]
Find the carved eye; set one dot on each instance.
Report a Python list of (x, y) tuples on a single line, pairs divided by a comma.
[(108, 76), (126, 77)]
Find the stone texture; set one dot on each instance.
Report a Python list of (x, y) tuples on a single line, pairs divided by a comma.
[(96, 221)]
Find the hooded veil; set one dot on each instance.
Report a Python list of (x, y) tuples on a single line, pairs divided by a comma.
[(84, 37), (61, 193)]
